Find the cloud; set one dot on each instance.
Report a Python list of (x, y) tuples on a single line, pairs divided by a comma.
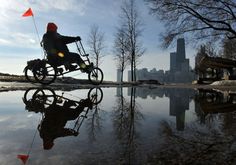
[(10, 13), (68, 5), (4, 41), (16, 30), (18, 39)]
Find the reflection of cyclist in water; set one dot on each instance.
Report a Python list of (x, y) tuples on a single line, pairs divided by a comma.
[(55, 119), (57, 110)]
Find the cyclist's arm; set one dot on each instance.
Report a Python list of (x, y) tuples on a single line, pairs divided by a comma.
[(67, 39)]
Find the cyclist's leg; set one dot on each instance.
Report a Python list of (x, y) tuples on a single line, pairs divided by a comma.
[(75, 58)]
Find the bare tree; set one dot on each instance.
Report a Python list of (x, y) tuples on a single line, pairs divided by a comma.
[(131, 24), (121, 51), (209, 20), (96, 44)]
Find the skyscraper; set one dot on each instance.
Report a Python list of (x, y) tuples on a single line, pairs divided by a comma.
[(179, 65), (173, 61), (180, 53)]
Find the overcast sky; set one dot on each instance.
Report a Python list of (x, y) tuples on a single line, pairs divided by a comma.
[(19, 41)]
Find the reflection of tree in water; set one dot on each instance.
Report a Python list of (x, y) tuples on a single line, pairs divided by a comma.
[(125, 119), (213, 142), (94, 123)]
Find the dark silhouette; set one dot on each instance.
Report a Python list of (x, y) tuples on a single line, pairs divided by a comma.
[(55, 118), (210, 101), (203, 20), (46, 71), (57, 51), (57, 111)]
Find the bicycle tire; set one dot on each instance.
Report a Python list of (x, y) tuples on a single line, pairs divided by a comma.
[(27, 76), (42, 93), (95, 92), (26, 96), (45, 74), (95, 76)]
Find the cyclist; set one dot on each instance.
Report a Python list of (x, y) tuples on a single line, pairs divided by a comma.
[(57, 51)]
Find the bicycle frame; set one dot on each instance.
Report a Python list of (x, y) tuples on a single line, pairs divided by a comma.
[(82, 52)]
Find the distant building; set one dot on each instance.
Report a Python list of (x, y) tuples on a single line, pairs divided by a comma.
[(180, 53), (144, 74), (118, 75), (129, 76), (173, 61), (180, 70)]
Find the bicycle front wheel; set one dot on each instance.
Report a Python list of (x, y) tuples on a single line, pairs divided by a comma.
[(96, 76), (45, 74), (95, 95)]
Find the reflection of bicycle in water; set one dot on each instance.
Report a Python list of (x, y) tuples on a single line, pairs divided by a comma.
[(47, 96), (46, 71), (57, 110)]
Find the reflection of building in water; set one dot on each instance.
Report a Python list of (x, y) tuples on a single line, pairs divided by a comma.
[(179, 100), (179, 103), (145, 92)]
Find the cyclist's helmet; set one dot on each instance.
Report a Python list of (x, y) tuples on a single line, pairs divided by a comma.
[(52, 27), (47, 144)]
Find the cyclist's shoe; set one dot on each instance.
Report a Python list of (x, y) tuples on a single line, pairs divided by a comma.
[(86, 103), (69, 103), (71, 67), (88, 68), (75, 133), (60, 70)]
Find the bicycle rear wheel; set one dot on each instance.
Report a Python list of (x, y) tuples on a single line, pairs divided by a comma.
[(28, 95), (45, 74), (45, 96), (95, 76), (29, 75)]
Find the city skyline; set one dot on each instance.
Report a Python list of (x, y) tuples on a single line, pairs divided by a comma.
[(179, 72)]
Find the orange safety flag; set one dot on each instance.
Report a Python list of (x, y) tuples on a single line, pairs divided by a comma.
[(23, 158), (29, 12)]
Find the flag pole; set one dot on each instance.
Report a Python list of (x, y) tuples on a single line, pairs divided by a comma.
[(29, 12), (36, 29), (25, 157)]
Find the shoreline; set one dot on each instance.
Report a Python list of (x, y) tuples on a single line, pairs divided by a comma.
[(13, 85), (18, 82)]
